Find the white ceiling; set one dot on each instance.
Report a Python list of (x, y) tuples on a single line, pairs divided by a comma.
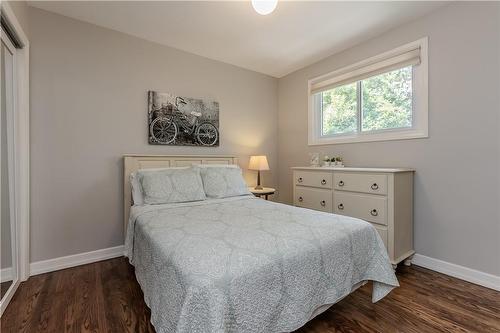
[(296, 34)]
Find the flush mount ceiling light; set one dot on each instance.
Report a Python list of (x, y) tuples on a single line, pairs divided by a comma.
[(264, 7)]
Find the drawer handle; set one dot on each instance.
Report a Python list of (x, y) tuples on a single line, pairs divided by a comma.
[(301, 199), (340, 206), (300, 180), (323, 182), (341, 183), (374, 186), (374, 212), (322, 203)]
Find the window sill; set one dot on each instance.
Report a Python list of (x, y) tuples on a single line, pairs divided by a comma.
[(369, 137)]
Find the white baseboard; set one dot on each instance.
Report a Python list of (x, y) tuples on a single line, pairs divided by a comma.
[(460, 272), (5, 274), (56, 264)]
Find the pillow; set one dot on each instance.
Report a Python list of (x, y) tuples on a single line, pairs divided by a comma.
[(171, 185), (137, 197), (136, 189), (223, 182)]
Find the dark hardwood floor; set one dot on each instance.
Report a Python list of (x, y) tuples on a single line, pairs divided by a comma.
[(105, 297)]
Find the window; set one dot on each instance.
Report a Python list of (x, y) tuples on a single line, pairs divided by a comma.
[(382, 98)]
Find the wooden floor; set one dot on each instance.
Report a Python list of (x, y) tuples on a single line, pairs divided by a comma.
[(105, 297)]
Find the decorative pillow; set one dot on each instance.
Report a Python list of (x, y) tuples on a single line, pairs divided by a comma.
[(137, 197), (223, 182), (171, 185)]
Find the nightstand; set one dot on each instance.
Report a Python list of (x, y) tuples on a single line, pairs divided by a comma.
[(266, 191)]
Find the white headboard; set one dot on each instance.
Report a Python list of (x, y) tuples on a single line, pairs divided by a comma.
[(133, 163)]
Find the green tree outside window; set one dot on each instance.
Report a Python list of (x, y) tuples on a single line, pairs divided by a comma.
[(386, 103)]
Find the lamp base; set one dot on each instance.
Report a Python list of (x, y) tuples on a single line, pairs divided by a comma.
[(258, 187)]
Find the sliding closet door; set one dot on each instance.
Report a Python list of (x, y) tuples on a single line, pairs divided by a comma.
[(9, 279)]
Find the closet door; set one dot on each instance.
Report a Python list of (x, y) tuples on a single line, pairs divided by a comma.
[(9, 277)]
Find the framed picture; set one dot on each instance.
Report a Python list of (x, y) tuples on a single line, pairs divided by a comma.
[(182, 121), (314, 159)]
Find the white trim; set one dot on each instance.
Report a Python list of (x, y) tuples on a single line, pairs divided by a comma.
[(420, 102), (468, 274), (22, 140), (21, 160), (400, 134), (5, 274), (10, 126), (56, 264)]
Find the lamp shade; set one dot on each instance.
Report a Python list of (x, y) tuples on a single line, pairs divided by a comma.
[(258, 163)]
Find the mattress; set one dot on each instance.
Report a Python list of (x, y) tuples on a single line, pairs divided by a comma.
[(244, 264)]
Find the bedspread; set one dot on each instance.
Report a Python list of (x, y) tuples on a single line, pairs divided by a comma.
[(244, 264)]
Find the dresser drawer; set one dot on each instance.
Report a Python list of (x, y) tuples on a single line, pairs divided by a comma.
[(313, 198), (370, 208), (358, 182), (313, 178)]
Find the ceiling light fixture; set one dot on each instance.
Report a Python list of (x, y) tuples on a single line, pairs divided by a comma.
[(264, 7)]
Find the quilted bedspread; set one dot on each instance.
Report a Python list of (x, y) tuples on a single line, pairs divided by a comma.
[(244, 264)]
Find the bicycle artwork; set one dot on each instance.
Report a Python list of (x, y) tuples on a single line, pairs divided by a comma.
[(182, 121)]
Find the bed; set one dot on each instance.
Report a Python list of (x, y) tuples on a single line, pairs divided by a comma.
[(243, 264)]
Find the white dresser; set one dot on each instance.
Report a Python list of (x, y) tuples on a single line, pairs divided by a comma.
[(381, 196)]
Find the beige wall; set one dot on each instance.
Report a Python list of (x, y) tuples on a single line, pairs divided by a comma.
[(457, 181), (88, 107)]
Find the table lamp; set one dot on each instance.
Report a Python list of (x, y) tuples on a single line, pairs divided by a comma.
[(258, 163)]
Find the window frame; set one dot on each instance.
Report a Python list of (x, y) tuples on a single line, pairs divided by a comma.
[(419, 127)]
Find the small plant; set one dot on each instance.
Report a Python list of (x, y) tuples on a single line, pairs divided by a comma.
[(326, 160)]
